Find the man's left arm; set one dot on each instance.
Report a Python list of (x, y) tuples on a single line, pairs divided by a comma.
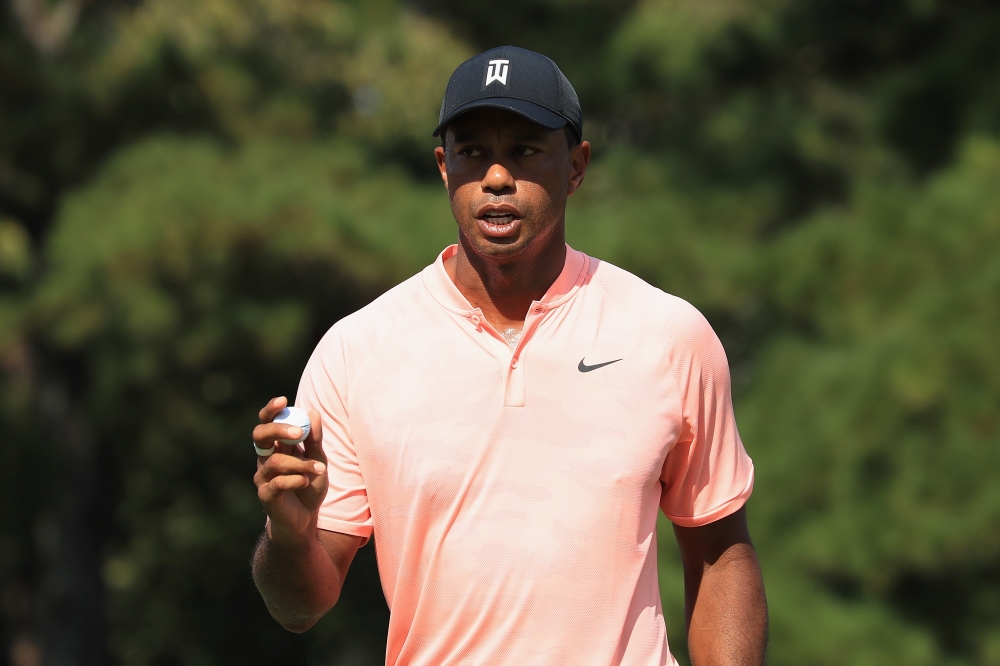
[(725, 606)]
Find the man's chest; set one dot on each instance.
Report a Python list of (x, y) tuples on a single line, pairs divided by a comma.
[(433, 425)]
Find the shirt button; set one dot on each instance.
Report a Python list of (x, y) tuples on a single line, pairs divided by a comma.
[(513, 363)]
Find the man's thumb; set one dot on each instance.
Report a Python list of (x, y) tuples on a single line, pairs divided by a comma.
[(313, 443)]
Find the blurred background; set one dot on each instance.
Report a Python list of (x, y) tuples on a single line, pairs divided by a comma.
[(193, 191)]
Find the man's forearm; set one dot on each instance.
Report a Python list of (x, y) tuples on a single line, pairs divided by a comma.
[(727, 614), (298, 581)]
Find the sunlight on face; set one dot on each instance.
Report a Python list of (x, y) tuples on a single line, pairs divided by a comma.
[(508, 180)]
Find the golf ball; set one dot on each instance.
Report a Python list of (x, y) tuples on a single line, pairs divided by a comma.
[(294, 416)]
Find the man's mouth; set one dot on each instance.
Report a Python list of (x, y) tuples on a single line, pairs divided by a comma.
[(499, 223)]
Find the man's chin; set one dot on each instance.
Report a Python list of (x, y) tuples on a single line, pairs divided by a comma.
[(498, 249)]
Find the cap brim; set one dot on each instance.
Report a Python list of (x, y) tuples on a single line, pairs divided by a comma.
[(529, 110)]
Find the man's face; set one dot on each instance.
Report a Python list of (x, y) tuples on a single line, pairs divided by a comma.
[(508, 180)]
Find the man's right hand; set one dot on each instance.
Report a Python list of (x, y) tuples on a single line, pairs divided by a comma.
[(292, 481), (298, 569)]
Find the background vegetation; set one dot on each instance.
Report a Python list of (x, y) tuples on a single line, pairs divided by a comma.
[(192, 191)]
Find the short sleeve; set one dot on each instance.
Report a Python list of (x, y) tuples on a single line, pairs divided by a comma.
[(707, 475), (323, 387)]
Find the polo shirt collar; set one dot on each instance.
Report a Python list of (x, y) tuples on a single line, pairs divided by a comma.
[(437, 281)]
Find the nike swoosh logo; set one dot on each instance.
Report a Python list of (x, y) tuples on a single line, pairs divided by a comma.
[(587, 368)]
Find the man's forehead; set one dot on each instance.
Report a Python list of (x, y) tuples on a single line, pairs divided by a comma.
[(479, 122)]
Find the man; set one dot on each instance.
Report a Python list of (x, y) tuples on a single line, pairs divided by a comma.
[(507, 424)]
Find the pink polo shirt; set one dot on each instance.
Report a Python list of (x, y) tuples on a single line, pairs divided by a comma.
[(513, 494)]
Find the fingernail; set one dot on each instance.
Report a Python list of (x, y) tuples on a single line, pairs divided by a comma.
[(319, 467), (294, 432)]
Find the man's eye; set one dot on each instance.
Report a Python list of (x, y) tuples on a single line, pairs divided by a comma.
[(524, 151), (470, 152)]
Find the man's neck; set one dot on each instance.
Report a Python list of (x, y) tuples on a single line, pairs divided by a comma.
[(504, 290)]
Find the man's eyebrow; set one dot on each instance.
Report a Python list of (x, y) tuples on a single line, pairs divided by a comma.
[(532, 135), (466, 136)]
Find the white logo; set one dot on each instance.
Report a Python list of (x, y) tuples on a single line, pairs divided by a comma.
[(496, 71)]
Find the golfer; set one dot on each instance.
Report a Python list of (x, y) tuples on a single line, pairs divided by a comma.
[(507, 424)]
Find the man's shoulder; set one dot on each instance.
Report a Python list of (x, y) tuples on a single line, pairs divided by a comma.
[(642, 300), (661, 320), (392, 313)]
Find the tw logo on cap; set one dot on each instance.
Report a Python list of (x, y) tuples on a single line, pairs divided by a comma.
[(496, 70)]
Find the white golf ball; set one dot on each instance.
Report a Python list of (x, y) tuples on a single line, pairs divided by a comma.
[(294, 416)]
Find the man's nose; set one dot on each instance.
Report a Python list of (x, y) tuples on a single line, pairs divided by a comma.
[(498, 178)]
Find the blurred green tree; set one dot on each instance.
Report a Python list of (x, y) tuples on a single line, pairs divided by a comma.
[(819, 177), (874, 410), (213, 273)]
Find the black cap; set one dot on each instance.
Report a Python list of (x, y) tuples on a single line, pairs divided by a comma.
[(524, 82)]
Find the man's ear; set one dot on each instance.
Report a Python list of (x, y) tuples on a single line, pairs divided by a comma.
[(578, 160), (442, 163)]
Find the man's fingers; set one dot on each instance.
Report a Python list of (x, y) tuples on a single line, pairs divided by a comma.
[(313, 443), (286, 471), (270, 491), (266, 434), (280, 464), (310, 487), (271, 409)]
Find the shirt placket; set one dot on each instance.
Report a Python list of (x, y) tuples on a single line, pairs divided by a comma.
[(511, 360)]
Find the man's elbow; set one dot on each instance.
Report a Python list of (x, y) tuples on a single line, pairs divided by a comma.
[(297, 624), (301, 619), (297, 627)]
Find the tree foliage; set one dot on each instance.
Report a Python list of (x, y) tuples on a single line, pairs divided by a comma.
[(215, 272), (192, 192)]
